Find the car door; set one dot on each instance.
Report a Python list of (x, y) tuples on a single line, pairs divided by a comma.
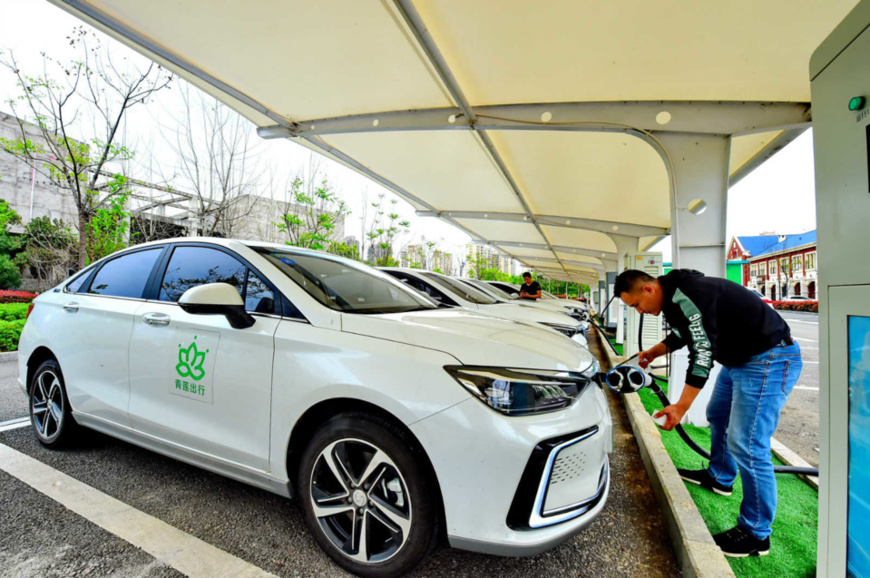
[(194, 380), (92, 333)]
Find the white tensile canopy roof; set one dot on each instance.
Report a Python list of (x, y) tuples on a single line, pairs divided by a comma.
[(534, 127)]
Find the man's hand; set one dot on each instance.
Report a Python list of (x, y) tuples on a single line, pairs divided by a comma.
[(674, 415), (644, 358), (676, 411)]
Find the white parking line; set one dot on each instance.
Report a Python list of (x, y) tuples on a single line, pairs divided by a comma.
[(14, 424), (800, 321), (186, 554), (806, 387)]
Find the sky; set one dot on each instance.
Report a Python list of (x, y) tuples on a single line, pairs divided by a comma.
[(777, 197)]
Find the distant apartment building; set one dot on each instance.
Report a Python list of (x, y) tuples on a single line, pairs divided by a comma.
[(489, 258), (778, 266)]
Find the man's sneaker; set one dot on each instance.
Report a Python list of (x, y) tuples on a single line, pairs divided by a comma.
[(738, 542), (702, 478)]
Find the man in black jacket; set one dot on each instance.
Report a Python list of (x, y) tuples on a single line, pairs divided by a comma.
[(722, 321)]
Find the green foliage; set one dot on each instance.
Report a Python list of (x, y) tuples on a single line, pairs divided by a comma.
[(437, 270), (11, 257), (10, 333), (495, 275), (107, 229), (50, 247), (12, 311), (311, 218), (385, 228), (344, 250)]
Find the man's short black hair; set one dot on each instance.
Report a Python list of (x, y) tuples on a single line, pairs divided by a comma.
[(526, 274), (628, 280)]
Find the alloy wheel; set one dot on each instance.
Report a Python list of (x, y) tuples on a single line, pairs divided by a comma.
[(361, 500), (47, 405)]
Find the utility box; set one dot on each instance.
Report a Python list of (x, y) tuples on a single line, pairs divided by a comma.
[(651, 332), (840, 81)]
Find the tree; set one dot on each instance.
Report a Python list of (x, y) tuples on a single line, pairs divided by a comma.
[(217, 162), (311, 217), (343, 250), (11, 257), (50, 251), (93, 93), (384, 230), (108, 229)]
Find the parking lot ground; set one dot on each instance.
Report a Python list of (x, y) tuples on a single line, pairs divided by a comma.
[(799, 422), (39, 537)]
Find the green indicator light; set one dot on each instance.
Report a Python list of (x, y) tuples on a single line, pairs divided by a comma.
[(857, 103)]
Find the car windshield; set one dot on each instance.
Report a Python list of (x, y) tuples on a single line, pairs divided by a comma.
[(464, 291), (548, 295), (344, 285), (492, 290)]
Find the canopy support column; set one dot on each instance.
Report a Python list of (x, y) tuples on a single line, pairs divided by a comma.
[(699, 171)]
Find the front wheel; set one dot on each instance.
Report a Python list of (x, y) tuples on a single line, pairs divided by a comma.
[(368, 496), (50, 413)]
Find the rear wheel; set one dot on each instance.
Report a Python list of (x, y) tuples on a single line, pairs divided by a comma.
[(50, 413), (367, 497)]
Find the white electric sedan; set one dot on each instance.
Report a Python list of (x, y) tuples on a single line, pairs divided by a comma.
[(576, 309), (503, 297), (448, 291), (307, 374)]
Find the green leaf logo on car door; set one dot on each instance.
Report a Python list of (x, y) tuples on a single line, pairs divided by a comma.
[(190, 362)]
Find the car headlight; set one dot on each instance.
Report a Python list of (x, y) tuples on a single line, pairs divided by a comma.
[(520, 391), (568, 330)]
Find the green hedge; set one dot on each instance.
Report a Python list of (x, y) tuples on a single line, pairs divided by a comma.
[(10, 333), (12, 311)]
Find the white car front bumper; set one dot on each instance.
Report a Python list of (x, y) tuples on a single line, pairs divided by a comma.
[(518, 486)]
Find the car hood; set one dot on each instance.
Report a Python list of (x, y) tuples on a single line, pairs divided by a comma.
[(528, 314), (475, 339)]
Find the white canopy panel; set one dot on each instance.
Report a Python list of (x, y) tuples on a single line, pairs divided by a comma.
[(532, 126)]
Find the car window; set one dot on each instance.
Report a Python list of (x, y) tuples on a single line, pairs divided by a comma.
[(345, 285), (429, 290), (464, 291), (258, 297), (193, 266), (513, 291), (497, 291), (75, 285), (125, 276)]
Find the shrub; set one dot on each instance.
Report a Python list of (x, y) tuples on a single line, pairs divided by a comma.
[(10, 333), (807, 306), (16, 297), (12, 311)]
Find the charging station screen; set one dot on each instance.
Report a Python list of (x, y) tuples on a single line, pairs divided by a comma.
[(858, 553)]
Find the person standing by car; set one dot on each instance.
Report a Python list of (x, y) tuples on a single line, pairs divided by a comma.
[(722, 321), (530, 290)]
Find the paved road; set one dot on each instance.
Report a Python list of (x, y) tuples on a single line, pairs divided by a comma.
[(41, 538), (799, 423)]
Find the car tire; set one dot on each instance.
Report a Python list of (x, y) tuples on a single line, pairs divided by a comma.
[(50, 412), (374, 477)]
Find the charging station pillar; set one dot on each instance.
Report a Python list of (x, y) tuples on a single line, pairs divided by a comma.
[(700, 165), (840, 84)]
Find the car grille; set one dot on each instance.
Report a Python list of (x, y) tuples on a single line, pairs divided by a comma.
[(562, 480)]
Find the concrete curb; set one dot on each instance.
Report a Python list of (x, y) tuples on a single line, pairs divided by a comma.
[(9, 356), (698, 555), (790, 458)]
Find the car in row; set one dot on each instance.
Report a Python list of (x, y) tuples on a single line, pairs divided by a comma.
[(576, 309), (393, 420), (453, 292)]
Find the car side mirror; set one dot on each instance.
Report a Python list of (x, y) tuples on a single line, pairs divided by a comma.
[(217, 299)]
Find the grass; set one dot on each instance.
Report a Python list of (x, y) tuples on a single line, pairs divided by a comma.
[(795, 530)]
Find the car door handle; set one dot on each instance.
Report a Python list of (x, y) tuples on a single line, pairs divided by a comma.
[(71, 307), (158, 319)]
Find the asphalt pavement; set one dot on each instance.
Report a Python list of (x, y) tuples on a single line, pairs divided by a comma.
[(41, 538), (799, 422)]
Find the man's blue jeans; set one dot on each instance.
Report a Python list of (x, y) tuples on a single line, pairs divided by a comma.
[(743, 413)]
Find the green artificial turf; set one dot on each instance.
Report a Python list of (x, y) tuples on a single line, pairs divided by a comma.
[(617, 346), (795, 530)]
